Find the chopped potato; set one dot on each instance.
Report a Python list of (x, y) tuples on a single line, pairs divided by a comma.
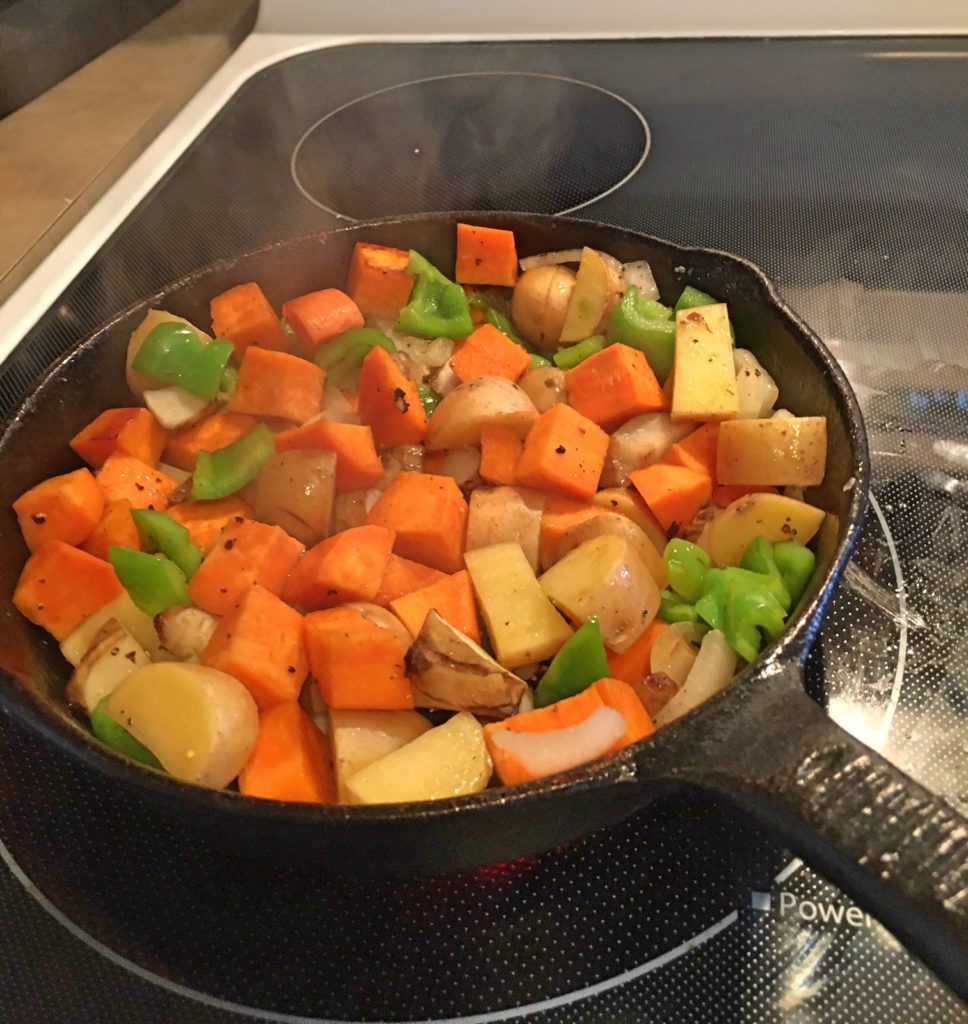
[(506, 514), (772, 516), (704, 380), (451, 760), (448, 670), (477, 403), (620, 526), (295, 490), (540, 302), (113, 655), (359, 738), (128, 614), (200, 723), (545, 386), (598, 288), (521, 622), (604, 578), (786, 451), (627, 503)]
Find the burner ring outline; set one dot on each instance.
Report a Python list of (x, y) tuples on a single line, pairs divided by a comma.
[(646, 130)]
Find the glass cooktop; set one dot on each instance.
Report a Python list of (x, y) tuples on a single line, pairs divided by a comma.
[(838, 166)]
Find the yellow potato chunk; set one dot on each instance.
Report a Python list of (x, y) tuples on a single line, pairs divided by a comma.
[(521, 622), (200, 723), (704, 380), (772, 516), (781, 452), (451, 760), (361, 737), (604, 578)]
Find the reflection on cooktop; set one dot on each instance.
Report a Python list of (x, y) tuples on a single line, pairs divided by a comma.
[(485, 140)]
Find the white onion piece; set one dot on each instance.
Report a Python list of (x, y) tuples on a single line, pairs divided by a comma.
[(755, 388), (370, 498), (550, 259), (527, 701), (431, 352), (713, 669), (175, 407), (673, 652), (639, 273), (462, 464), (544, 753), (782, 414), (178, 475), (445, 380), (335, 407)]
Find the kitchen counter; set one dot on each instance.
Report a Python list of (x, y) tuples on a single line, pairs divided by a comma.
[(61, 152)]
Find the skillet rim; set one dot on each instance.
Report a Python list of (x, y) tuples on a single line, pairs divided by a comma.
[(790, 649)]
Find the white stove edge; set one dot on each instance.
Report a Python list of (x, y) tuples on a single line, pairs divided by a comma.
[(41, 288)]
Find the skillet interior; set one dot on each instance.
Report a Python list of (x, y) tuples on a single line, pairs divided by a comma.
[(90, 378)]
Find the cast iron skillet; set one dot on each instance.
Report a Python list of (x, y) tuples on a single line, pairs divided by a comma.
[(763, 743)]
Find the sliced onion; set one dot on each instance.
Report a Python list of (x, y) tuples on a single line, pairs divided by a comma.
[(544, 753), (639, 273), (370, 498), (756, 389), (712, 670), (336, 407), (527, 701), (673, 652), (462, 464), (782, 414), (550, 259), (445, 380)]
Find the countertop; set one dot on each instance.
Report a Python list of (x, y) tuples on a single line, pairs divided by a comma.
[(62, 151)]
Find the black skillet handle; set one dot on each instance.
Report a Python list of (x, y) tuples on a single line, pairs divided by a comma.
[(890, 844)]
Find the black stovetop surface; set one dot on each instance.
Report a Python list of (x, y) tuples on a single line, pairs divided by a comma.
[(839, 167)]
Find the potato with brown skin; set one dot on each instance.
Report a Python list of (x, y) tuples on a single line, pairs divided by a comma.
[(540, 302), (545, 386), (604, 578), (620, 526), (448, 670), (506, 514), (199, 722), (775, 517), (477, 403), (113, 655), (295, 490)]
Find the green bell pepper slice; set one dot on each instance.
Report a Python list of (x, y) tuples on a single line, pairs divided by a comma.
[(438, 308), (796, 565), (739, 603), (646, 325), (342, 356), (538, 361), (687, 565), (429, 398), (175, 354), (569, 358), (580, 662), (674, 608), (691, 298), (160, 532), (221, 473), (154, 582), (230, 378), (114, 735), (758, 558), (496, 318)]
